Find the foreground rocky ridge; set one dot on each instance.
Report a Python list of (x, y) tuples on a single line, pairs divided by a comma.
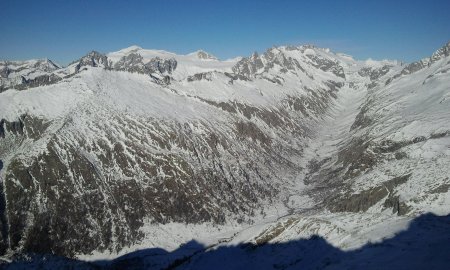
[(137, 137)]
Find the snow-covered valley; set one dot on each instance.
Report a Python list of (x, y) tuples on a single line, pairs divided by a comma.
[(298, 158)]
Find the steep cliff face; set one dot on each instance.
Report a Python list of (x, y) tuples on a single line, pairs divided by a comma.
[(140, 138)]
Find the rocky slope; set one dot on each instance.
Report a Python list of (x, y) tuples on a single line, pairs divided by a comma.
[(123, 147), (25, 74)]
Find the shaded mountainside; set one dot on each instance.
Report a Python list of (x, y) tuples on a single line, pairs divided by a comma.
[(140, 139)]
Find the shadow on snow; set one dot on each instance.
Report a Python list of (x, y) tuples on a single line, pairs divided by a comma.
[(424, 245)]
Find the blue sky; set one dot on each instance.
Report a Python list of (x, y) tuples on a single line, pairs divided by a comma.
[(65, 30)]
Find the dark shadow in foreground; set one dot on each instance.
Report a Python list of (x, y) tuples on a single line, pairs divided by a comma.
[(424, 245)]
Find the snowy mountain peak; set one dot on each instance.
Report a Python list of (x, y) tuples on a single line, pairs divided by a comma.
[(294, 60), (131, 48), (203, 55), (157, 63)]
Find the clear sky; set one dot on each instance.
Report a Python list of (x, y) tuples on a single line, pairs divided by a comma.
[(67, 29)]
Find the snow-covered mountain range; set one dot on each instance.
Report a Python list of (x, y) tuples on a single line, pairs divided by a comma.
[(145, 148)]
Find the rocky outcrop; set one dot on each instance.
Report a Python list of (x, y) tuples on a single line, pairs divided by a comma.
[(257, 64), (158, 69), (327, 65), (92, 59), (26, 74), (14, 127), (200, 76), (421, 64), (374, 73), (254, 64), (134, 62), (441, 53), (249, 66), (361, 201), (38, 81), (162, 65), (4, 72)]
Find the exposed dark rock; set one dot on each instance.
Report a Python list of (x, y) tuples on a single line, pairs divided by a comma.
[(275, 57), (400, 155), (444, 188), (327, 65), (15, 127), (441, 53), (4, 72), (162, 66), (356, 157), (362, 201), (66, 215), (396, 181), (248, 66), (277, 80), (334, 86), (200, 76), (409, 69), (362, 119), (374, 73), (134, 62), (314, 165), (389, 146), (226, 106), (38, 81), (34, 127), (250, 130), (398, 207), (21, 74), (234, 77), (418, 65), (2, 128), (92, 59), (315, 102)]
